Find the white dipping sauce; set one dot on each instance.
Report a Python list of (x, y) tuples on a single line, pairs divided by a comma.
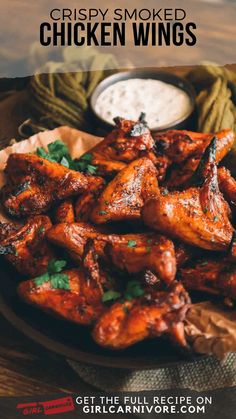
[(162, 102)]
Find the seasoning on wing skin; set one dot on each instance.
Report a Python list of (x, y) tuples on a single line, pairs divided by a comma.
[(129, 252), (156, 313), (65, 213), (198, 215), (182, 151), (216, 277), (34, 184), (80, 301), (27, 248), (128, 141), (125, 195)]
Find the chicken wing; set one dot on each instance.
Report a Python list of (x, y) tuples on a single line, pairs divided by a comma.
[(81, 303), (198, 216), (155, 314), (128, 141), (227, 186), (129, 252), (80, 300), (65, 213), (185, 149), (27, 248), (35, 184), (216, 277), (124, 196)]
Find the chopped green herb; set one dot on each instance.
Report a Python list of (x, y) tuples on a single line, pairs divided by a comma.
[(149, 241), (131, 243), (204, 263), (216, 218), (106, 202), (42, 230), (60, 281), (148, 249), (58, 152), (102, 212), (56, 266), (57, 280), (110, 295), (165, 192), (205, 210), (133, 290), (64, 162), (126, 309)]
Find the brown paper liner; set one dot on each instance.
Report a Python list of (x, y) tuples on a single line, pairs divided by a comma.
[(209, 327)]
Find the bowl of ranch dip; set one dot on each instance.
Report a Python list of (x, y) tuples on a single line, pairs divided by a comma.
[(167, 100)]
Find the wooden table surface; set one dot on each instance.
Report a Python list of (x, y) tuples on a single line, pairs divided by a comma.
[(25, 367)]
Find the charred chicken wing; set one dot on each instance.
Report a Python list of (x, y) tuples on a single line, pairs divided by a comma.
[(26, 247), (125, 195), (198, 215), (128, 141), (185, 149), (155, 314), (130, 252), (216, 277), (34, 184)]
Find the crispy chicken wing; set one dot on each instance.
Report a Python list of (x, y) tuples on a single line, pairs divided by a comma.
[(216, 277), (128, 141), (80, 301), (198, 215), (130, 252), (155, 314), (124, 196), (185, 149), (227, 186), (27, 248), (34, 184), (81, 304), (65, 213)]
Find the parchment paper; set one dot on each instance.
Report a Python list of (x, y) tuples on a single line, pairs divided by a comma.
[(211, 329)]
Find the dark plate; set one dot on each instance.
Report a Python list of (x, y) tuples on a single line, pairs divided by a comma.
[(74, 342)]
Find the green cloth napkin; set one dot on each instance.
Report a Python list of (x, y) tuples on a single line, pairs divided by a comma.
[(216, 97)]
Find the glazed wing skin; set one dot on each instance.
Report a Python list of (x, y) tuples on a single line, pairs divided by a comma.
[(124, 196), (185, 149), (198, 215), (34, 184), (65, 212), (128, 141), (155, 314), (129, 252), (216, 277), (80, 304), (27, 248), (227, 185)]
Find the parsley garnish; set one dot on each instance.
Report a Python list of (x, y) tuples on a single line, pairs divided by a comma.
[(165, 192), (102, 212), (133, 290), (58, 152), (216, 218), (110, 295), (57, 279), (131, 243)]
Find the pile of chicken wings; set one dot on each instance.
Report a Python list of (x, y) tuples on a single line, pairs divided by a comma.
[(122, 250)]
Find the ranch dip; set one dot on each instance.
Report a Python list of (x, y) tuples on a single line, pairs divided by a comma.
[(163, 103)]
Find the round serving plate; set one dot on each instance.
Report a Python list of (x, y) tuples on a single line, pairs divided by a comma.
[(74, 342)]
